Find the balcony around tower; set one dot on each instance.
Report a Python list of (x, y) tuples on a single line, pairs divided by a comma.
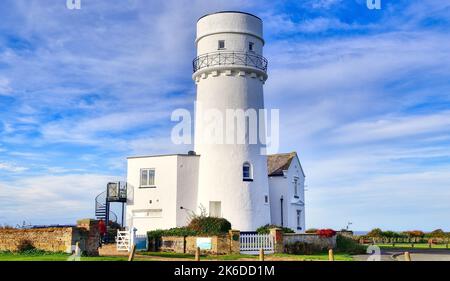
[(230, 59)]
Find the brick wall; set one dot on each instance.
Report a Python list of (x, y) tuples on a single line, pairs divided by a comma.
[(54, 239)]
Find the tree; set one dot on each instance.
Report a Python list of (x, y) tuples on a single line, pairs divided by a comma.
[(376, 232), (438, 233)]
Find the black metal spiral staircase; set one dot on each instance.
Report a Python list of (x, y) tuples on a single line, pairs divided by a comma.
[(101, 208)]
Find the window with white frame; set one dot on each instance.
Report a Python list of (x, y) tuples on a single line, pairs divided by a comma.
[(147, 178), (247, 172), (299, 219)]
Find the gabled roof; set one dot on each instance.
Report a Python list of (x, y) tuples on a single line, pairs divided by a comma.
[(277, 163)]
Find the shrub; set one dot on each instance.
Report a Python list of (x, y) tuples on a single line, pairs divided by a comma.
[(349, 246), (326, 233), (266, 229), (199, 226), (209, 225), (6, 227), (414, 233), (438, 233), (311, 230), (302, 248), (376, 232), (180, 231), (393, 234), (155, 234), (25, 246)]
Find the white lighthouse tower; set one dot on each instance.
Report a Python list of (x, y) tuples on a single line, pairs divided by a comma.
[(230, 72)]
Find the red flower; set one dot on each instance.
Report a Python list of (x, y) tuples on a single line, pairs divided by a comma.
[(326, 233)]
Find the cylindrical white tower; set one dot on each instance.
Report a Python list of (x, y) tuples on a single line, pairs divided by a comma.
[(230, 72)]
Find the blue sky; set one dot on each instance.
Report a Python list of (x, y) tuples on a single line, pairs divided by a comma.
[(364, 98)]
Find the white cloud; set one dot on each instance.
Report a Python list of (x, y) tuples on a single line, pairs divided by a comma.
[(12, 168), (393, 127), (63, 198)]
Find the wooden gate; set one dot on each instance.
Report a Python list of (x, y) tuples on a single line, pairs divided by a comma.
[(251, 243), (123, 241)]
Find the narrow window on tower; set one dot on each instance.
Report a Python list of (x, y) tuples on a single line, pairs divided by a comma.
[(221, 45), (250, 46), (247, 172)]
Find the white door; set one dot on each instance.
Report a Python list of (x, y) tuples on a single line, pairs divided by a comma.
[(215, 209)]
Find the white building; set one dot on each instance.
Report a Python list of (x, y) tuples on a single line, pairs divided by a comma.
[(233, 179)]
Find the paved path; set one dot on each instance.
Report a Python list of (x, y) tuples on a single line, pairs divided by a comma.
[(416, 255)]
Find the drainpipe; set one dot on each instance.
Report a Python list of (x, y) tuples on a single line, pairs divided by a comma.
[(281, 201)]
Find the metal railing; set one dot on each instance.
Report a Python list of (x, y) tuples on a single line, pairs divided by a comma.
[(230, 58)]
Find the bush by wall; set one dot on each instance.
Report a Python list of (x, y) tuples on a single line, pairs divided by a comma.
[(349, 246), (178, 231), (326, 233), (209, 225), (311, 230), (200, 225), (25, 246), (266, 229)]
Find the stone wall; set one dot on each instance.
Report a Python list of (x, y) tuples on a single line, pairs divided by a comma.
[(173, 244), (220, 244), (47, 239), (88, 234), (322, 242), (55, 239)]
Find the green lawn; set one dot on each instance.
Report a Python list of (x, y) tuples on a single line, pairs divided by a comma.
[(316, 257), (409, 246), (234, 257), (147, 256), (52, 257)]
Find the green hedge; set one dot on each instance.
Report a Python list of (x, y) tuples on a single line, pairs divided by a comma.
[(178, 231), (266, 229), (209, 225)]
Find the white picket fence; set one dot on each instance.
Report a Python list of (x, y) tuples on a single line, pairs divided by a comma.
[(251, 243)]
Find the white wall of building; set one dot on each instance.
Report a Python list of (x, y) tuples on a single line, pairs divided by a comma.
[(158, 207), (187, 180), (283, 186)]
